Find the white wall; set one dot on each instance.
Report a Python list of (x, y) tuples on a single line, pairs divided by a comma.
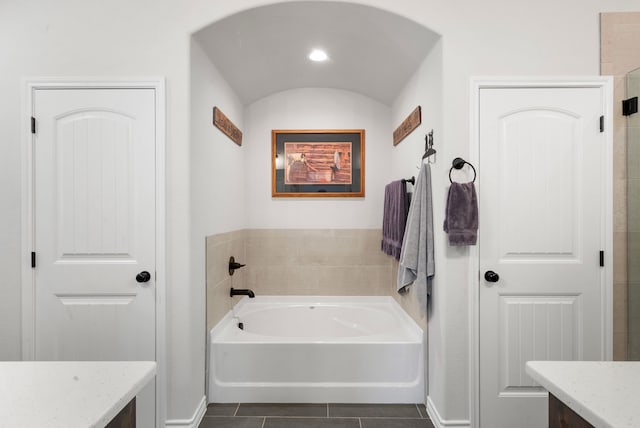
[(425, 89), (217, 163), (313, 108), (217, 180), (140, 38)]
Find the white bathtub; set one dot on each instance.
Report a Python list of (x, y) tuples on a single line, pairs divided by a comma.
[(317, 349)]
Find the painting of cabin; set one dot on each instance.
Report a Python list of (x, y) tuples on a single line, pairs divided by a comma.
[(318, 163)]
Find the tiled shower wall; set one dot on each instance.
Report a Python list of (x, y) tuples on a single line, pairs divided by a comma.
[(330, 262), (619, 54), (633, 222)]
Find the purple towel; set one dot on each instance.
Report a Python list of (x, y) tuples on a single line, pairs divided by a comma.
[(461, 216), (394, 218)]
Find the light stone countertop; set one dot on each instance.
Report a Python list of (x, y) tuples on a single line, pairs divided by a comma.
[(69, 394), (605, 393)]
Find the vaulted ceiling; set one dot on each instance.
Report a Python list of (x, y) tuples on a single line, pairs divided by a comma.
[(265, 50)]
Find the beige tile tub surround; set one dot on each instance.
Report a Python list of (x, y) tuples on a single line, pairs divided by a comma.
[(331, 262), (619, 54), (219, 248)]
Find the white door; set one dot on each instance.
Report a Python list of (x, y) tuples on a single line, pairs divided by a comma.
[(542, 219), (94, 179)]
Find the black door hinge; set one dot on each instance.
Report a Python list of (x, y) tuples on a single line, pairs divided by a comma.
[(33, 125), (630, 106), (601, 258), (33, 259), (601, 123)]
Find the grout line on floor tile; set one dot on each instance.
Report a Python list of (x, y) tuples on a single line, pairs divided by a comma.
[(419, 412), (327, 409), (237, 408), (264, 421), (360, 422), (313, 417), (381, 417)]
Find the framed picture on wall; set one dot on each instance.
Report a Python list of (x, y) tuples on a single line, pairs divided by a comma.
[(317, 164)]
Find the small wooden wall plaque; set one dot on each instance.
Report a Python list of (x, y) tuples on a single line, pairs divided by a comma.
[(223, 123), (407, 126)]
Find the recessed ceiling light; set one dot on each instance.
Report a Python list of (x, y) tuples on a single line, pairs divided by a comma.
[(318, 55)]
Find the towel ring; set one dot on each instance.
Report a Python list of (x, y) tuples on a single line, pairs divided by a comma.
[(458, 163)]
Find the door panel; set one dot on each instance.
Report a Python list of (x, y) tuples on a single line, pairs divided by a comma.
[(541, 223), (94, 175), (535, 328), (539, 177), (95, 201)]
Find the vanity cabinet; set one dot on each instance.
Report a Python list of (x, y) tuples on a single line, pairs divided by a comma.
[(126, 418), (561, 415), (590, 394)]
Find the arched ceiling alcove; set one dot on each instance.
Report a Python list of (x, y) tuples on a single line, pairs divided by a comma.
[(265, 50)]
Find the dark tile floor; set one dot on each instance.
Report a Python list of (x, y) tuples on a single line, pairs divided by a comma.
[(316, 416)]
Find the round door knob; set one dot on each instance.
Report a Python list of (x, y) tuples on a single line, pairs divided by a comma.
[(143, 276), (491, 276)]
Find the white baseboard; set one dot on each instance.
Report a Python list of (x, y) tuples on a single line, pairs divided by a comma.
[(194, 421), (438, 422)]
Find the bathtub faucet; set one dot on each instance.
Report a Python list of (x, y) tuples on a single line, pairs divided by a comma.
[(242, 292)]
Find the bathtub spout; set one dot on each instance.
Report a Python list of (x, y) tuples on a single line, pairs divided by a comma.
[(242, 292)]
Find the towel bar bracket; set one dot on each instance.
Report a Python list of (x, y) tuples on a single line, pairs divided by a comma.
[(411, 180), (458, 163)]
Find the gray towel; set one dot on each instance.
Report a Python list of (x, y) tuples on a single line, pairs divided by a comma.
[(417, 264), (394, 218), (461, 216)]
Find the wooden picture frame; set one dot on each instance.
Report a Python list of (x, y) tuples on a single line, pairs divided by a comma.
[(317, 163)]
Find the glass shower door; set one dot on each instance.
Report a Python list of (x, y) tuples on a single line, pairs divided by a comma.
[(633, 221)]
